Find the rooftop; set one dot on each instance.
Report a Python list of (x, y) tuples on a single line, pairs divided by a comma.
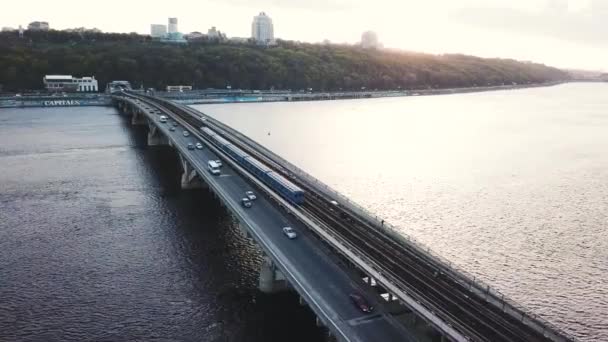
[(58, 77)]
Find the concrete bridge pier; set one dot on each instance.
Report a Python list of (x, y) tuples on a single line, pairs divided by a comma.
[(190, 179), (271, 279), (155, 136), (137, 117)]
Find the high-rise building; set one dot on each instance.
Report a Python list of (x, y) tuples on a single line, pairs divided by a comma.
[(172, 25), (262, 30), (369, 40), (38, 26), (213, 33), (158, 31)]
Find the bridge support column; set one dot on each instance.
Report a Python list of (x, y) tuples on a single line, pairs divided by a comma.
[(190, 179), (271, 279), (155, 136), (137, 117)]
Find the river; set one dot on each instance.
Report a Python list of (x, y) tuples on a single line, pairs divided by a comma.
[(511, 186), (98, 242)]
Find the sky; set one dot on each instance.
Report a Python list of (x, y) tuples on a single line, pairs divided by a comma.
[(561, 33)]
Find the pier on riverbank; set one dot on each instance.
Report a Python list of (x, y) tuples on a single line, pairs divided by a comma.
[(54, 100)]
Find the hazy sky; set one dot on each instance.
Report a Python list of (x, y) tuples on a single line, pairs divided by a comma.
[(562, 33)]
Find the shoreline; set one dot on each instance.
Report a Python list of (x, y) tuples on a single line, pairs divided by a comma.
[(192, 98), (246, 96)]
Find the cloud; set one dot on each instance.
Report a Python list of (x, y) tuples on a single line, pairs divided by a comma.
[(556, 20)]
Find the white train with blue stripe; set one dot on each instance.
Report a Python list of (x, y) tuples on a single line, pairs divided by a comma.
[(280, 184)]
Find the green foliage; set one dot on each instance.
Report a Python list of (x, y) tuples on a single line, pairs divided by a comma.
[(138, 59)]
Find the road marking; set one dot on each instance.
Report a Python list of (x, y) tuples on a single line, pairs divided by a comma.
[(364, 319)]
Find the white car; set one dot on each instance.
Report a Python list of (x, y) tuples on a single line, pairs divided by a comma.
[(250, 195), (218, 162), (186, 133), (199, 146), (290, 232), (246, 202)]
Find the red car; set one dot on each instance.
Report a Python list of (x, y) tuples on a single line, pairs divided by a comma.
[(361, 302)]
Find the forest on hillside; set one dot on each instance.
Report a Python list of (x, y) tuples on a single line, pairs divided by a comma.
[(288, 65)]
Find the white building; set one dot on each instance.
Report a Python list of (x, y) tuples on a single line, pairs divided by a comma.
[(213, 33), (178, 88), (67, 83), (158, 31), (369, 40), (38, 26), (262, 30), (173, 25)]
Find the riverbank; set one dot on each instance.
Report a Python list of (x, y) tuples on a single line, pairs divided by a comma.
[(239, 96), (67, 100), (242, 96)]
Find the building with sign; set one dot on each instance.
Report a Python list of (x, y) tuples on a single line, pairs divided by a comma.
[(68, 83)]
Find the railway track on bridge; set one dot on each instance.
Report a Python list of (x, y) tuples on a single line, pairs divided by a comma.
[(468, 313)]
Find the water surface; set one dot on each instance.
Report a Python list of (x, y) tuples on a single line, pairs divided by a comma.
[(98, 243), (510, 185)]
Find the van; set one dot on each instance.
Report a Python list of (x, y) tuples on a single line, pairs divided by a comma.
[(213, 167)]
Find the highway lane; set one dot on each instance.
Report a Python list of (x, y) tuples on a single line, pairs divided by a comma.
[(316, 269)]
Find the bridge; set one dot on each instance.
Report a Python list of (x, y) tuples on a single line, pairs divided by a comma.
[(341, 248)]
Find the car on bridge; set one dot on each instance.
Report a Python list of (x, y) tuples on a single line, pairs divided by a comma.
[(199, 146), (213, 167), (172, 129), (250, 195), (186, 133), (163, 118), (361, 303), (190, 146), (246, 202), (218, 162), (290, 232)]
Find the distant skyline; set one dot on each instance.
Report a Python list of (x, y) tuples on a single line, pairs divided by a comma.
[(561, 33)]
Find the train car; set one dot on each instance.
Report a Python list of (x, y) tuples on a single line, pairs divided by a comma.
[(255, 167), (208, 131), (221, 142), (236, 153), (285, 187)]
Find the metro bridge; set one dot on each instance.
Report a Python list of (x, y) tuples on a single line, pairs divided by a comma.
[(341, 249)]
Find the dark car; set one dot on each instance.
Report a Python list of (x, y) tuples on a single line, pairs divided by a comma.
[(361, 302), (191, 146)]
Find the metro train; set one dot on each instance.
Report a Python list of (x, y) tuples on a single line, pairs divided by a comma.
[(284, 187)]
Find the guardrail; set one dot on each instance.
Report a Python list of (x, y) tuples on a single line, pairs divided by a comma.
[(475, 285)]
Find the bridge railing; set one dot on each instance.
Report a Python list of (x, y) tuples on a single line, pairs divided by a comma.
[(474, 284)]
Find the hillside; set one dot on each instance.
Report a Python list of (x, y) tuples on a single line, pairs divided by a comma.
[(23, 63)]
